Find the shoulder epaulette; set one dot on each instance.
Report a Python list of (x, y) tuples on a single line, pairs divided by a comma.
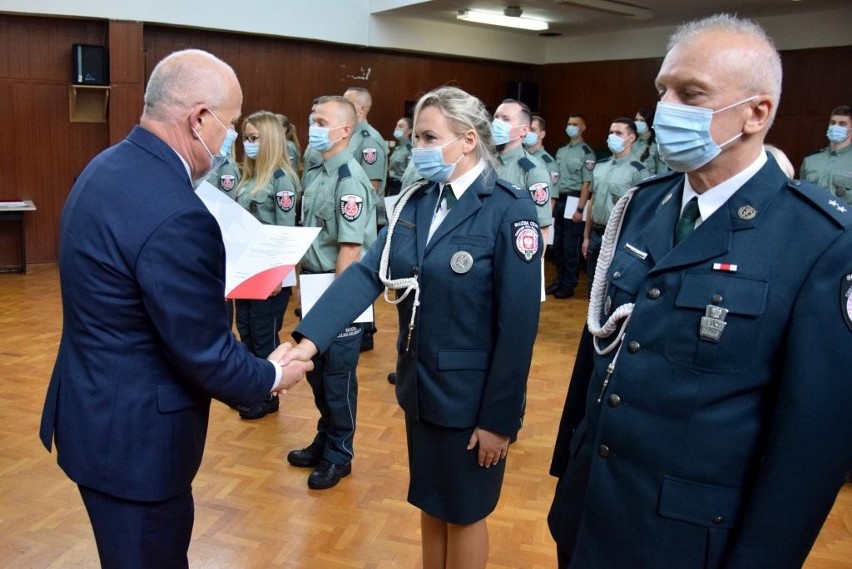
[(835, 208), (512, 189), (658, 177), (638, 165), (546, 158), (604, 160), (279, 173), (526, 164), (586, 149), (343, 172)]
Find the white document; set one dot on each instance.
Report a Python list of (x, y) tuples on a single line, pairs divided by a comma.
[(258, 257), (311, 288), (571, 205)]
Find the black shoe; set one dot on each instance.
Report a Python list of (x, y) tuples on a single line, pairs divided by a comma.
[(552, 287), (392, 377), (563, 292), (328, 474), (261, 409), (366, 341), (307, 457)]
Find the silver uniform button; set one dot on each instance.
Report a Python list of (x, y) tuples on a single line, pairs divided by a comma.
[(461, 262)]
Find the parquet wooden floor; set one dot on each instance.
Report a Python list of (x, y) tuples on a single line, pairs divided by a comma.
[(253, 510)]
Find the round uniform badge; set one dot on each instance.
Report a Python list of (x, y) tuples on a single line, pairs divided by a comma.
[(461, 262), (746, 212), (351, 206), (227, 182), (540, 193), (590, 165), (285, 200), (526, 238), (846, 299), (370, 155)]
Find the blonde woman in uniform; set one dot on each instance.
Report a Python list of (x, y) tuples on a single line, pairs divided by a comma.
[(268, 189)]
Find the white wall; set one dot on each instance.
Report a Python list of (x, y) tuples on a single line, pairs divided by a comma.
[(350, 22)]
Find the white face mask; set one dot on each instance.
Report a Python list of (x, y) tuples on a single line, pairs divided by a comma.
[(683, 134)]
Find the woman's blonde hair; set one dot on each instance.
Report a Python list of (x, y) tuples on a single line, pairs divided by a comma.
[(271, 155)]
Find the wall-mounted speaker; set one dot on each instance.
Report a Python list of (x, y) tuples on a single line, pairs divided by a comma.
[(525, 92), (89, 65)]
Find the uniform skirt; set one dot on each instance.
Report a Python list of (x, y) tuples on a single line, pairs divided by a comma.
[(446, 481)]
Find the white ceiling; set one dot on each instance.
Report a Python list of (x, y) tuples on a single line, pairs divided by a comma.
[(569, 18)]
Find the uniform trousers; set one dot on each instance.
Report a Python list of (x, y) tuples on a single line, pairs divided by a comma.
[(567, 239), (260, 321), (335, 387), (140, 535), (595, 241)]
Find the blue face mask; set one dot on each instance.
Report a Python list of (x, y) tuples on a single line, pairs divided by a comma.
[(641, 127), (837, 133), (429, 163), (683, 135), (219, 159), (251, 149), (500, 130), (530, 138), (572, 131), (615, 143), (318, 137), (398, 134)]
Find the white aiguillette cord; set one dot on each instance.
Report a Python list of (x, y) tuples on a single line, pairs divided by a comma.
[(623, 312), (407, 283)]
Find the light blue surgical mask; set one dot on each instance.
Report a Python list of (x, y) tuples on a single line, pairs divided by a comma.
[(530, 138), (216, 161), (641, 127), (572, 131), (683, 135), (837, 133), (615, 143), (318, 137), (429, 163), (500, 130), (251, 148)]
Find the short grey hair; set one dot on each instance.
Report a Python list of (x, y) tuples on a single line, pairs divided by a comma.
[(464, 112), (764, 65), (184, 79)]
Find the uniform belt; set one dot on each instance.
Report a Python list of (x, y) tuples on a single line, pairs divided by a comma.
[(305, 271), (598, 228), (569, 193)]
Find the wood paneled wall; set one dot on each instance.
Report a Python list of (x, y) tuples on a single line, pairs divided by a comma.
[(42, 152)]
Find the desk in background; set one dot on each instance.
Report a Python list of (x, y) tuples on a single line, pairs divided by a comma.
[(13, 211)]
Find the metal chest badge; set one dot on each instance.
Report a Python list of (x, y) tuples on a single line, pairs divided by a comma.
[(846, 299), (713, 323), (461, 262)]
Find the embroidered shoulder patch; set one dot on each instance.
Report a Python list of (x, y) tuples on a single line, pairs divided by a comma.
[(590, 165), (846, 299), (227, 182), (526, 239), (370, 155), (351, 206), (285, 200), (540, 193)]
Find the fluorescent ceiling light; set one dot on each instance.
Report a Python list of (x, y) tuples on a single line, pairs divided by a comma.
[(518, 22)]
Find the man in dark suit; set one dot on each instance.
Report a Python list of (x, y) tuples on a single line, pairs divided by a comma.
[(717, 428), (146, 341)]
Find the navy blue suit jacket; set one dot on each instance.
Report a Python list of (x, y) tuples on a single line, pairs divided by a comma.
[(474, 334), (145, 339), (717, 454)]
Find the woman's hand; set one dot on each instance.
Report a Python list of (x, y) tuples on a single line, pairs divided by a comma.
[(492, 446)]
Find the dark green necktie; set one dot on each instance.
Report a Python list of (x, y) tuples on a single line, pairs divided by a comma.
[(448, 195), (686, 223)]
